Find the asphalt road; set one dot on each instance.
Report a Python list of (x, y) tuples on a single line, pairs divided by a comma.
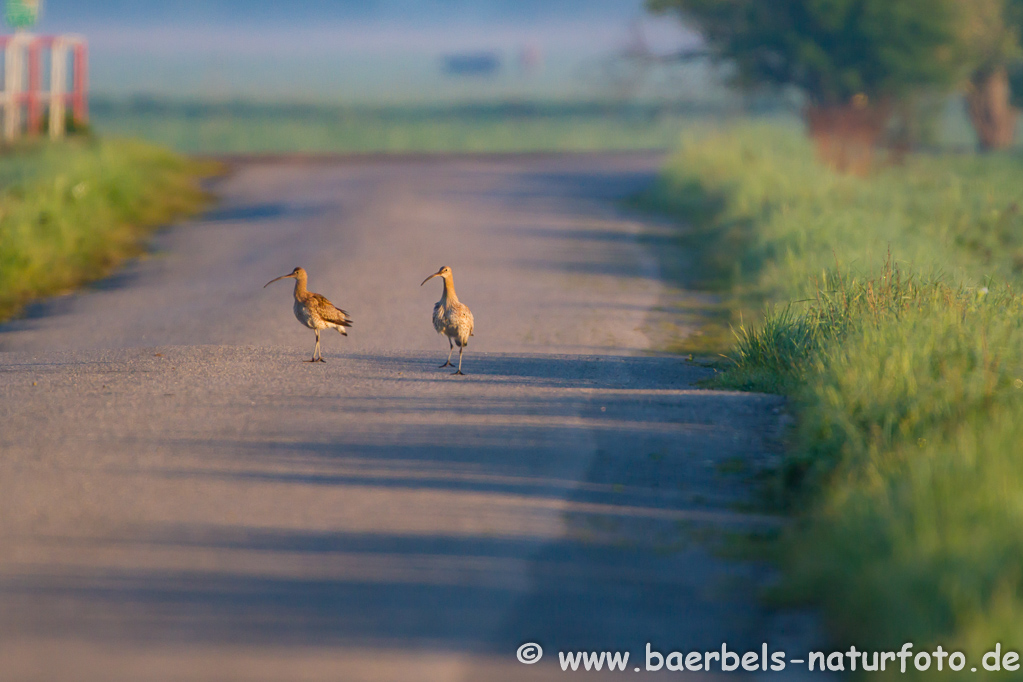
[(182, 498)]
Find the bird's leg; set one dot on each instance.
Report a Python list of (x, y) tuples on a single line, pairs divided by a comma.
[(316, 349), (460, 349), (451, 348)]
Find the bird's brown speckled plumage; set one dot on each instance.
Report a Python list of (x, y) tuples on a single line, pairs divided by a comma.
[(315, 311), (451, 317)]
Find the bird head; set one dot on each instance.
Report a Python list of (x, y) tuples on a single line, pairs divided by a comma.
[(444, 272), (294, 274)]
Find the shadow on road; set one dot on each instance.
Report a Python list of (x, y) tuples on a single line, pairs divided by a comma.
[(259, 212), (626, 565)]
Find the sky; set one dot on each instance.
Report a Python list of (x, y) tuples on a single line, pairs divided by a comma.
[(306, 12), (361, 50)]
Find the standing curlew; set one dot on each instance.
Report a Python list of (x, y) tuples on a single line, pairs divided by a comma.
[(315, 311), (451, 317)]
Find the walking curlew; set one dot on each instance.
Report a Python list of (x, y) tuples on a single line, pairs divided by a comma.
[(315, 311), (451, 317)]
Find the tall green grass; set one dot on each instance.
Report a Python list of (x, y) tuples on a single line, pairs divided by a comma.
[(907, 445), (71, 211), (775, 219), (896, 328)]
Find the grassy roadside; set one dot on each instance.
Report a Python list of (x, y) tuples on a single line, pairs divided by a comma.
[(71, 211), (897, 331)]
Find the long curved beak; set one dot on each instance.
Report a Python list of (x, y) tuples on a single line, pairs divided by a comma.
[(274, 280), (436, 274)]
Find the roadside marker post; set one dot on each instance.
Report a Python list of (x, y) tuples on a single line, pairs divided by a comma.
[(24, 54)]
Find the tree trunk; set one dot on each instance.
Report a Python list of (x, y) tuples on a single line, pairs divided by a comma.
[(846, 136), (993, 117)]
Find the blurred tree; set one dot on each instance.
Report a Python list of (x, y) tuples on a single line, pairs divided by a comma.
[(990, 39), (853, 59)]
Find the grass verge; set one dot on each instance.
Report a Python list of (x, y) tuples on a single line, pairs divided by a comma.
[(71, 211), (897, 330)]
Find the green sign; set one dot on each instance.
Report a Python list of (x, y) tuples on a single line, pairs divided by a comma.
[(22, 13)]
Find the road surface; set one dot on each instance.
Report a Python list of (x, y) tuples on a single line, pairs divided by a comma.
[(182, 498)]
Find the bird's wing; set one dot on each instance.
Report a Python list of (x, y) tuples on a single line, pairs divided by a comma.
[(330, 312), (462, 317)]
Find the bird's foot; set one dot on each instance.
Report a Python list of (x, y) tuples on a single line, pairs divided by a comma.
[(320, 359), (446, 364), (459, 372)]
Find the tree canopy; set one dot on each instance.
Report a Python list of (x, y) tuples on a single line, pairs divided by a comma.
[(833, 50), (988, 34)]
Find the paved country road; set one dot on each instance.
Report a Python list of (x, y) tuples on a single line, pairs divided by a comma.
[(182, 498)]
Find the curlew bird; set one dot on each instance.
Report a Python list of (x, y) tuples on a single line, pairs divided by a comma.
[(315, 311), (451, 317)]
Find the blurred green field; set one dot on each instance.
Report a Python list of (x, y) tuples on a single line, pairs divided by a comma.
[(897, 331), (71, 211), (527, 126), (484, 126)]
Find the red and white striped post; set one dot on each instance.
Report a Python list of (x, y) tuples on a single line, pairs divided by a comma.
[(25, 50), (80, 82)]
